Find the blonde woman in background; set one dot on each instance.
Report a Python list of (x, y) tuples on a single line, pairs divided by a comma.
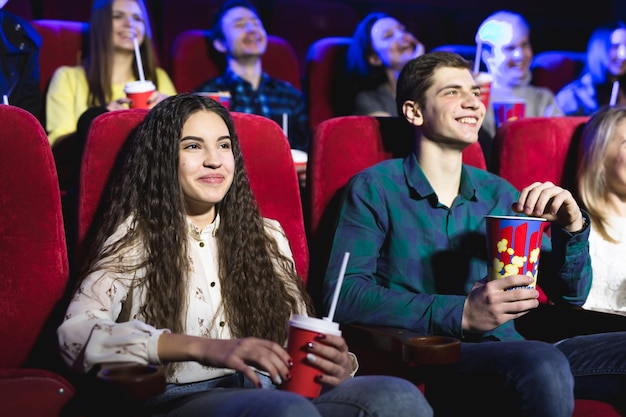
[(108, 65), (602, 189)]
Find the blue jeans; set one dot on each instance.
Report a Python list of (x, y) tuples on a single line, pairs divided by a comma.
[(235, 395), (531, 378)]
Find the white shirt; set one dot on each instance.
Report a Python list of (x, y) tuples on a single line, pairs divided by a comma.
[(608, 261), (90, 333)]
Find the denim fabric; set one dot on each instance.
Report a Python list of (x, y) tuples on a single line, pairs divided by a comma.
[(235, 395), (598, 363), (531, 378)]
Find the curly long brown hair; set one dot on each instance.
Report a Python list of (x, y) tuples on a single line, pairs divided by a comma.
[(253, 272)]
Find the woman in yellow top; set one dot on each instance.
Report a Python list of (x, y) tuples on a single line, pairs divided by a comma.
[(108, 65)]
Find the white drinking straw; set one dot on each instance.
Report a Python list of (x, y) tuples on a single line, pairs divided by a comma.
[(286, 124), (5, 99), (342, 272), (138, 58), (614, 92), (479, 47)]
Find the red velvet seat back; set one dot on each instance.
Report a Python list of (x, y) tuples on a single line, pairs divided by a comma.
[(538, 149), (33, 257), (325, 64), (33, 267), (555, 69), (192, 64), (267, 158), (62, 43)]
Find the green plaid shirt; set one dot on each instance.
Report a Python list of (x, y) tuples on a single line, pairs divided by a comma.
[(413, 260)]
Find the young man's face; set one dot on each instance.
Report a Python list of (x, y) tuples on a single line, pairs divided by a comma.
[(453, 111), (512, 54), (244, 35)]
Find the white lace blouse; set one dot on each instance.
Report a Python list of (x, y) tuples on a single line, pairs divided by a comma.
[(608, 260), (90, 333)]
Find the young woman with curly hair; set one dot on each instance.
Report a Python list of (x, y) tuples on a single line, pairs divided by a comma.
[(184, 271)]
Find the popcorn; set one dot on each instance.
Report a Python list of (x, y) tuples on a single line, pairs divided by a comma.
[(517, 246)]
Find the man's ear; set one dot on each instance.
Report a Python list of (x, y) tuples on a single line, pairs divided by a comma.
[(374, 60), (219, 46), (413, 113)]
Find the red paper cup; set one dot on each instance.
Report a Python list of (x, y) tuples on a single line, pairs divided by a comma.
[(138, 92), (508, 110), (484, 80), (302, 330), (513, 246)]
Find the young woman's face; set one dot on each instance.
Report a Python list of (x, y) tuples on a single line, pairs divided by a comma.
[(128, 21), (392, 44), (206, 164), (615, 162), (617, 53)]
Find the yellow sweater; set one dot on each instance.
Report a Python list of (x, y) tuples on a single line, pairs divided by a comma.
[(67, 97)]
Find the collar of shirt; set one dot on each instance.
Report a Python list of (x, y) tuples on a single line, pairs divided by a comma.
[(416, 179), (231, 78)]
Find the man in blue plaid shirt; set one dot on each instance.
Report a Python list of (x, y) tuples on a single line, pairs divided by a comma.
[(238, 33), (415, 230)]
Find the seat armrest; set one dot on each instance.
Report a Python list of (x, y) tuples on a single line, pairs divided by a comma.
[(412, 348), (132, 382)]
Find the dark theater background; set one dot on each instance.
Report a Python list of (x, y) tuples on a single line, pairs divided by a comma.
[(555, 25)]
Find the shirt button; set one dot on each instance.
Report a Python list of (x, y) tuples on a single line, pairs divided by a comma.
[(213, 284), (18, 27), (22, 46), (201, 244), (222, 323)]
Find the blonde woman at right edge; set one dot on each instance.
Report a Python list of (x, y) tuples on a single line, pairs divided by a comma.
[(602, 190)]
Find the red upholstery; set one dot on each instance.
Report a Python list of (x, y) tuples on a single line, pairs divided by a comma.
[(62, 43), (268, 162), (555, 69), (192, 65), (538, 149), (324, 63), (33, 267)]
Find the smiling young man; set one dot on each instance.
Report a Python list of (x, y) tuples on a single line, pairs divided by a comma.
[(415, 230), (239, 35), (507, 53)]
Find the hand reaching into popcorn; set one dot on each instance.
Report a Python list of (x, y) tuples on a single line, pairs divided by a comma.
[(551, 202)]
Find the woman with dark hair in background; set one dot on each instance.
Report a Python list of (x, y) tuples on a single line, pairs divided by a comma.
[(380, 48), (606, 63)]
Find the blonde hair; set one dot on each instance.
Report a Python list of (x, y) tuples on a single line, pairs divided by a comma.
[(596, 139)]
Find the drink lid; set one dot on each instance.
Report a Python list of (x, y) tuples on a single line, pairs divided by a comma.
[(139, 86)]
